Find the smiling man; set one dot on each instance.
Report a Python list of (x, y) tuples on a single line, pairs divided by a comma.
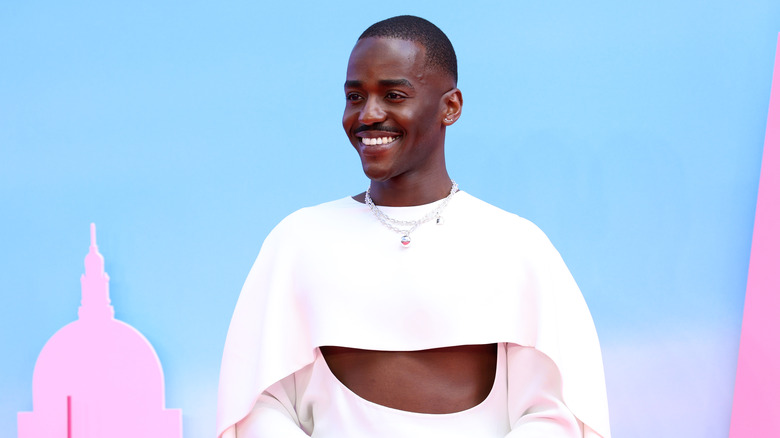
[(412, 309), (399, 103)]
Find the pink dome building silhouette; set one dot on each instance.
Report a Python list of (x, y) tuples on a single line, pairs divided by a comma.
[(98, 377)]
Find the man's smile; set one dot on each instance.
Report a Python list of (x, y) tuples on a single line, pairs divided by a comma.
[(372, 135), (371, 141)]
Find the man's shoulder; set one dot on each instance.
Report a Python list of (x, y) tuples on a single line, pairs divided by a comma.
[(314, 212), (305, 218), (496, 218)]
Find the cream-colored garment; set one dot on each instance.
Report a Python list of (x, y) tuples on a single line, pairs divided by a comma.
[(333, 275)]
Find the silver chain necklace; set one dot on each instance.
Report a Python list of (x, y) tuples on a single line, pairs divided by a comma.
[(405, 228)]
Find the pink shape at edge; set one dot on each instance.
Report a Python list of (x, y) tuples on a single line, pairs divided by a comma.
[(757, 390), (97, 376)]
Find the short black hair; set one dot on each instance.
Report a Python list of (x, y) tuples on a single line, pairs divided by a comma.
[(438, 48)]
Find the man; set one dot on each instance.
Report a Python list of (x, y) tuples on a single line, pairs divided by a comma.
[(413, 309)]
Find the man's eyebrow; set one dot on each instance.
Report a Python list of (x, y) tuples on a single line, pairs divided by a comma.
[(396, 83), (383, 82)]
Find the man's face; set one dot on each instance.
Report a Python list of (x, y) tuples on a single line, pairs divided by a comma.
[(395, 108)]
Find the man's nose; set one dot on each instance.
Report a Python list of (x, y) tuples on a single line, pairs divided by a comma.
[(372, 112)]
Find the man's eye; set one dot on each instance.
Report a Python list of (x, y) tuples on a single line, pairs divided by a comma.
[(352, 97), (395, 96)]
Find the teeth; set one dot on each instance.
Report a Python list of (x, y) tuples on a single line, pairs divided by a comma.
[(377, 140)]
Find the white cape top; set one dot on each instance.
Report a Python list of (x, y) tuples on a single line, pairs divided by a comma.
[(334, 275)]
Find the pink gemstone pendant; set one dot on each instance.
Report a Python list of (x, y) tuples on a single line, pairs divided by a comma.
[(405, 241)]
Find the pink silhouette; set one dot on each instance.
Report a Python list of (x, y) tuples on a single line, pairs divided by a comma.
[(756, 397), (98, 377)]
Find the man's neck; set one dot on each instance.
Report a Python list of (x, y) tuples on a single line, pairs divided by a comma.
[(402, 193)]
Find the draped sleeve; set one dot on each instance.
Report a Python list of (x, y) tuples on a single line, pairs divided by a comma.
[(266, 340)]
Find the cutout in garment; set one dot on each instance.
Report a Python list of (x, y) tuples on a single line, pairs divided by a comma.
[(335, 411), (440, 380)]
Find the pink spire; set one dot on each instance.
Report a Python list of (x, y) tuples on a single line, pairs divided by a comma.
[(94, 283)]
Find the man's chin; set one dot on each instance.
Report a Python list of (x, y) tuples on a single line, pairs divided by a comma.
[(377, 173)]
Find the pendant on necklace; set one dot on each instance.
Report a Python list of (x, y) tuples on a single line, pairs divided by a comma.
[(405, 241)]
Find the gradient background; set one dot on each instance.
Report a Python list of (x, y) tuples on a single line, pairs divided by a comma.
[(632, 134)]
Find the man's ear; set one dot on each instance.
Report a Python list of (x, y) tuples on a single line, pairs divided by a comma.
[(453, 102)]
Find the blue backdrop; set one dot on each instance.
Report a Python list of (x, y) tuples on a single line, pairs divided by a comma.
[(631, 133)]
